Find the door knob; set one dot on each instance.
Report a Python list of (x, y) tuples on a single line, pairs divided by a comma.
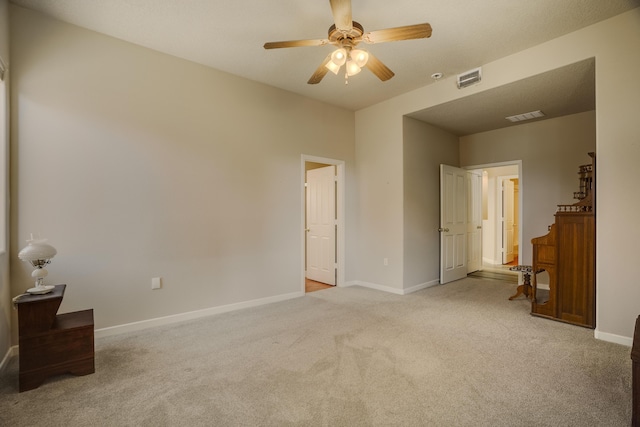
[(479, 227), (446, 230)]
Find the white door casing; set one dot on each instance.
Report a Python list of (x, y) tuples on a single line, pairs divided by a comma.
[(453, 223), (474, 220), (507, 221), (321, 225)]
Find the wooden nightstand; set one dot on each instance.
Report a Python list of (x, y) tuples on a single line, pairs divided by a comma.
[(52, 344)]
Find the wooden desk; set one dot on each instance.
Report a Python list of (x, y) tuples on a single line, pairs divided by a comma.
[(52, 344)]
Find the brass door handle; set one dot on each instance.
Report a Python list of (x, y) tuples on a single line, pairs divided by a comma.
[(446, 230)]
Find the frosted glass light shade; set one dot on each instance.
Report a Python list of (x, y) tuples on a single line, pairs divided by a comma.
[(339, 57), (360, 57), (332, 67), (37, 251), (352, 68)]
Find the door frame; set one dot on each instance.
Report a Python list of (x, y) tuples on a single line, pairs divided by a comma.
[(340, 215), (500, 202), (521, 187)]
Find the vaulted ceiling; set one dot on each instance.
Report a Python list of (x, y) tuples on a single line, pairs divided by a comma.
[(229, 36)]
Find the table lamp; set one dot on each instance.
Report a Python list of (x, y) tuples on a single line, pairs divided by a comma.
[(39, 254)]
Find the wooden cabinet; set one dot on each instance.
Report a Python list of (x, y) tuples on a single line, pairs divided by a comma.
[(576, 268), (50, 343), (567, 254)]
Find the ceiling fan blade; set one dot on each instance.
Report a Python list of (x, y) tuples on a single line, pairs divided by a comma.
[(296, 43), (409, 32), (320, 72), (378, 68), (341, 10)]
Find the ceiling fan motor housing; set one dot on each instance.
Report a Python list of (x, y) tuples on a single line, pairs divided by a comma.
[(351, 37)]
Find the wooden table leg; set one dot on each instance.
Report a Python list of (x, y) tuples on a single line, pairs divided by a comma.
[(525, 288)]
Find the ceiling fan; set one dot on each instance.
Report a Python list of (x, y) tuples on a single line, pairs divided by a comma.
[(346, 35)]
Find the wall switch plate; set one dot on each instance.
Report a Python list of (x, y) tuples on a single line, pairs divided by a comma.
[(156, 283), (385, 261)]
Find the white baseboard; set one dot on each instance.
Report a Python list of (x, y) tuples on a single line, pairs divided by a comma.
[(617, 339), (176, 318), (12, 351), (491, 261), (421, 286), (390, 289)]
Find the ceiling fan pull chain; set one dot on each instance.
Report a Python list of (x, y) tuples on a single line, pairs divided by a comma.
[(346, 78)]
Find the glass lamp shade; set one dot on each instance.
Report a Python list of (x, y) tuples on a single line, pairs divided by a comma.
[(37, 252), (339, 57), (360, 57), (352, 68), (333, 67)]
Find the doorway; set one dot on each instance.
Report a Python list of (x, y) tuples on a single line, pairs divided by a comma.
[(322, 223), (501, 217)]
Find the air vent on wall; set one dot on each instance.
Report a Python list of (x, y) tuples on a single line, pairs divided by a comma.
[(525, 116), (469, 78)]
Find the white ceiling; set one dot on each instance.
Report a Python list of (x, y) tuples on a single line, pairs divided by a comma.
[(229, 35)]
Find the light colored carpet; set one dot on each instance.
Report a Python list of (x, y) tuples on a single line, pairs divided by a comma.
[(454, 355)]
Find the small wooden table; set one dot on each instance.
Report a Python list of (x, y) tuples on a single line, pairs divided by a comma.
[(525, 288), (52, 344)]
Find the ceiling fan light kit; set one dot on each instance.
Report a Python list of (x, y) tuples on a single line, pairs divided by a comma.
[(357, 58), (345, 34)]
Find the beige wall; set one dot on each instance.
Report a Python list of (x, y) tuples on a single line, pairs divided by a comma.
[(379, 200), (551, 151), (5, 288), (614, 43), (136, 164), (425, 148)]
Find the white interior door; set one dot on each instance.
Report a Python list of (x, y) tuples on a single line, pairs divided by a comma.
[(453, 223), (474, 220), (321, 225), (508, 221)]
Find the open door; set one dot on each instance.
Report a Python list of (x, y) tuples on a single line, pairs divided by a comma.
[(474, 220), (321, 225), (508, 221), (453, 223)]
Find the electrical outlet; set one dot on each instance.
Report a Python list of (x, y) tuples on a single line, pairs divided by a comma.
[(156, 283)]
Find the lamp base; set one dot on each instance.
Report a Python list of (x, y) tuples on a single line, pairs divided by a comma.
[(39, 290)]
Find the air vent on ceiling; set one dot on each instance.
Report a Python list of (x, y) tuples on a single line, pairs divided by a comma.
[(469, 78), (525, 116)]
